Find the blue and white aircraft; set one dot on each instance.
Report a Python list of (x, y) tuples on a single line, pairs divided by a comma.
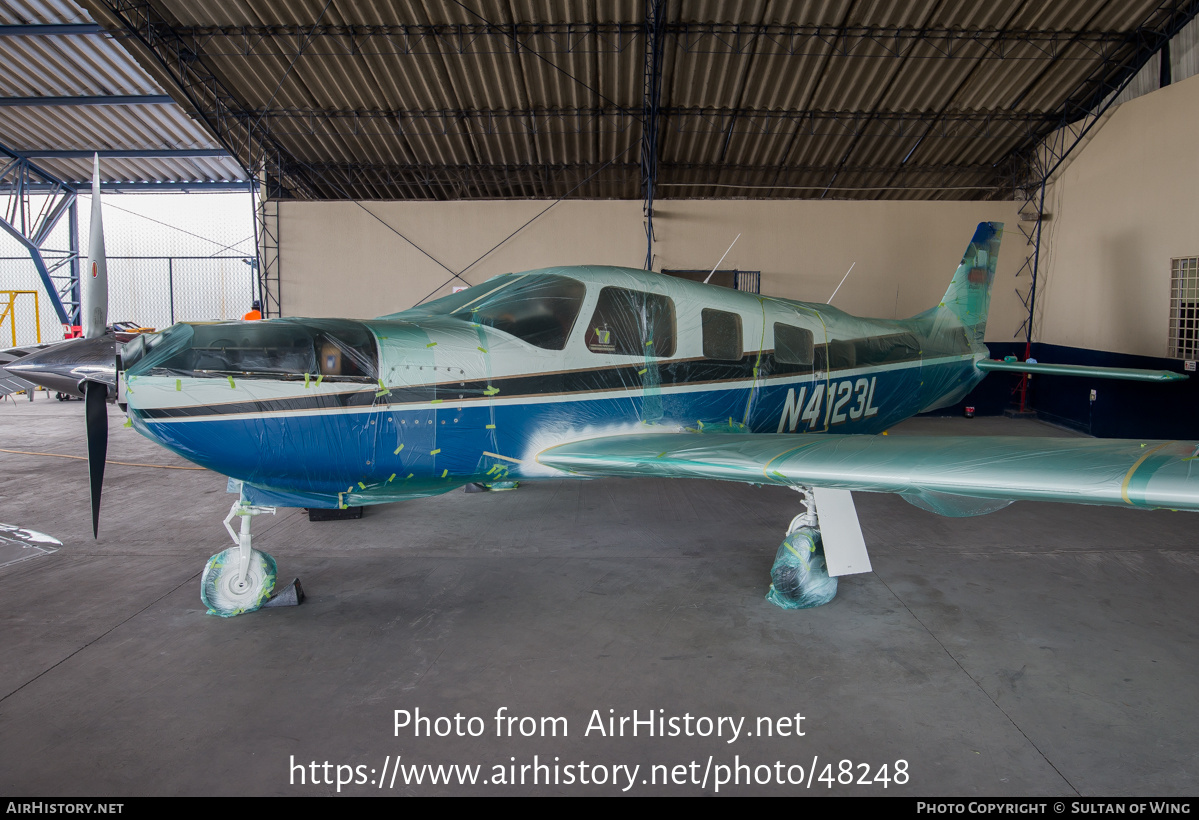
[(605, 371)]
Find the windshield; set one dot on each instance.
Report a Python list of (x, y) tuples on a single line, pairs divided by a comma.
[(538, 308), (283, 348)]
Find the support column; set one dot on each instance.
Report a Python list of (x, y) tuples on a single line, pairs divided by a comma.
[(655, 28)]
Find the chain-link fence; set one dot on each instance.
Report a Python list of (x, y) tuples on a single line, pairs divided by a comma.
[(152, 291), (170, 258)]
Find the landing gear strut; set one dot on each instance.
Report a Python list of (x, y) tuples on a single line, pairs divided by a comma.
[(799, 577), (239, 579)]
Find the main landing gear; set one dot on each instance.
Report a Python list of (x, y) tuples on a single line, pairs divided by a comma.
[(239, 579), (799, 577)]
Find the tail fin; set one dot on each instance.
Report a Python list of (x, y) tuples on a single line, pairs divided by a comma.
[(969, 294)]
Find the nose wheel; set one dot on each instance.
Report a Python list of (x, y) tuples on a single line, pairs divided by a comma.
[(239, 579)]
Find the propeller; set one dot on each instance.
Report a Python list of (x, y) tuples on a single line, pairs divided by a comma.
[(94, 306), (95, 401)]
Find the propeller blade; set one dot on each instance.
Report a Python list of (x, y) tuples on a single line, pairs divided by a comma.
[(94, 286), (95, 397)]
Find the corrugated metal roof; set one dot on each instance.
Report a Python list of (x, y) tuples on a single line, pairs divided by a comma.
[(52, 65), (437, 99)]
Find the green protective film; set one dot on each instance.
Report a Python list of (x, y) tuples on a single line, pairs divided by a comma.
[(1124, 373), (942, 471), (799, 578)]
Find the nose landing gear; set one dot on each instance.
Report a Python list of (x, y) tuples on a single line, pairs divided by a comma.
[(239, 579)]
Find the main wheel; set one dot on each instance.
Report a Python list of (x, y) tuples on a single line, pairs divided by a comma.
[(227, 595)]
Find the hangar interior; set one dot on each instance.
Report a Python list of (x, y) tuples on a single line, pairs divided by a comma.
[(399, 149)]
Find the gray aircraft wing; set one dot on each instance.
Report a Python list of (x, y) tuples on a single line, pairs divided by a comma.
[(10, 383)]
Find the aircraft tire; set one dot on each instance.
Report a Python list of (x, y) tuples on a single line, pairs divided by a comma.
[(219, 589)]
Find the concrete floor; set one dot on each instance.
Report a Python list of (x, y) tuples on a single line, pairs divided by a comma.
[(1042, 650)]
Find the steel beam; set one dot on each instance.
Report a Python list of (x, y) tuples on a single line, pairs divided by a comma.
[(465, 123), (44, 29), (99, 99), (133, 153), (31, 224), (617, 37), (143, 186), (651, 100)]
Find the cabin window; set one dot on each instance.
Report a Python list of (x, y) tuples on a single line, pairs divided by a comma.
[(792, 345), (895, 347), (632, 323), (722, 335), (842, 354)]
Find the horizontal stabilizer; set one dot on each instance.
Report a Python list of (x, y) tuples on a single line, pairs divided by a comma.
[(1125, 373), (1118, 472)]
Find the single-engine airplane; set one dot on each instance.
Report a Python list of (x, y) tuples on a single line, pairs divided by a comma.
[(606, 371)]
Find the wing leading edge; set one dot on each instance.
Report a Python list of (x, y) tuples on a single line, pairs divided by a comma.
[(924, 469)]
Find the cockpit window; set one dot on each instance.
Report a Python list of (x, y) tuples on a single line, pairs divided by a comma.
[(539, 308), (283, 348)]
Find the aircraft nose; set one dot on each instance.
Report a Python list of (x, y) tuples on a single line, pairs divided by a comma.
[(65, 366)]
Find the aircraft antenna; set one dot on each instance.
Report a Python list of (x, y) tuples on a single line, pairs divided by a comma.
[(842, 282), (726, 253)]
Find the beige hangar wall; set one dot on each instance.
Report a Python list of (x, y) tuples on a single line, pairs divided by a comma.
[(1119, 213), (343, 259)]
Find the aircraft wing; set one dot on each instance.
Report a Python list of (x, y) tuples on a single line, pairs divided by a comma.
[(951, 475)]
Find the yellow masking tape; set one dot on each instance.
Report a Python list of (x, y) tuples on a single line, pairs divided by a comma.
[(393, 478), (431, 344), (397, 450), (231, 382), (320, 379), (360, 484), (435, 452), (444, 473), (641, 372), (178, 385), (306, 380), (481, 349), (436, 401), (505, 458), (491, 391), (491, 427)]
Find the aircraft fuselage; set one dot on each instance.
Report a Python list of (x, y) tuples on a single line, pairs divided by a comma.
[(321, 413)]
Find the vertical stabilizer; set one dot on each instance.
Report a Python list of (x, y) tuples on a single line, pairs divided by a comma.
[(94, 288), (969, 294)]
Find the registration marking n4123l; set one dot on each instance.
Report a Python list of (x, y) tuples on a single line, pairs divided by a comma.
[(848, 400)]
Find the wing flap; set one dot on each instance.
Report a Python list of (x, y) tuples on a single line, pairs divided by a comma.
[(1149, 474)]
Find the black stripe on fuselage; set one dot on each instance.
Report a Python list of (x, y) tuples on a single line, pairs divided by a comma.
[(567, 382)]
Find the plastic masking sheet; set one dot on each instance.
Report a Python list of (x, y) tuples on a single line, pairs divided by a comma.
[(474, 386)]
